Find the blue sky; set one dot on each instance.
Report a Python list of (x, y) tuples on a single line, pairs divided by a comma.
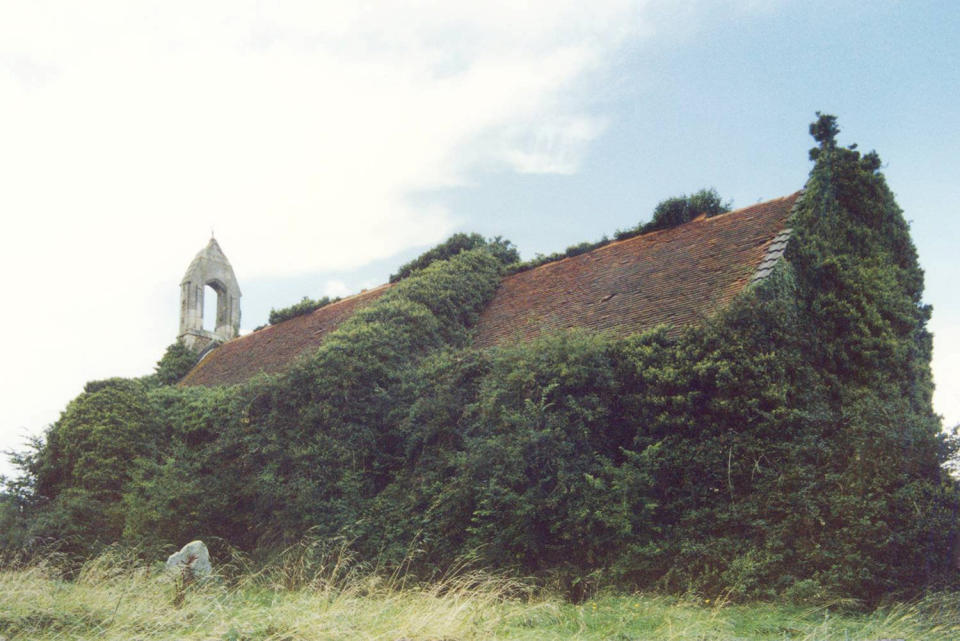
[(327, 144)]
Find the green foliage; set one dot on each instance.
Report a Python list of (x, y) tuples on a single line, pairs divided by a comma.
[(79, 474), (678, 210), (861, 289), (267, 461), (541, 463), (824, 130), (785, 446), (177, 360), (305, 306), (501, 248), (17, 500)]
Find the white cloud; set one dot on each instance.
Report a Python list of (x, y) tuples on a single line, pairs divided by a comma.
[(297, 132), (334, 288), (946, 355), (286, 131), (552, 147)]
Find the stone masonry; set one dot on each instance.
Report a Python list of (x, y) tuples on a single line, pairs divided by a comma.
[(210, 268)]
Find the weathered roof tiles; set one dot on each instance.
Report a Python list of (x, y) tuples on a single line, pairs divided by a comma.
[(274, 348), (677, 276)]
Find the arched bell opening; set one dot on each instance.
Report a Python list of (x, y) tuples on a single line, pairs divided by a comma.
[(211, 302)]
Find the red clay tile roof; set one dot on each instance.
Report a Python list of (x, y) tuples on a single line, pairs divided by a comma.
[(274, 348), (676, 276)]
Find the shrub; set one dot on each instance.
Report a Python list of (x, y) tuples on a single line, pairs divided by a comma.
[(177, 360), (502, 249), (305, 306), (678, 210)]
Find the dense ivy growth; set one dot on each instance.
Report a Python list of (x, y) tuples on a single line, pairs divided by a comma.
[(177, 360), (786, 446), (503, 249)]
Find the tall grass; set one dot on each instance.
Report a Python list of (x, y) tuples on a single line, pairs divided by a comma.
[(312, 592)]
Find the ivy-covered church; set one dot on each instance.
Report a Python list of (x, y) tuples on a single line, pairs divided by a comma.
[(726, 402)]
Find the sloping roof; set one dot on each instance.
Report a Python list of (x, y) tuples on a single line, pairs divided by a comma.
[(274, 348), (676, 276)]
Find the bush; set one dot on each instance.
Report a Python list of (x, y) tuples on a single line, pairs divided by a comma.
[(305, 306), (502, 249), (176, 362), (682, 209)]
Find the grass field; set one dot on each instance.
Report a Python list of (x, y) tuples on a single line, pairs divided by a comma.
[(115, 600)]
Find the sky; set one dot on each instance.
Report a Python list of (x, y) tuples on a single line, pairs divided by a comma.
[(326, 143)]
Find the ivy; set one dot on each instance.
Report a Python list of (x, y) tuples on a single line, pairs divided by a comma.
[(177, 360), (786, 446), (499, 247)]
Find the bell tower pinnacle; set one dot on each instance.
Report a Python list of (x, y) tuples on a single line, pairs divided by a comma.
[(210, 268)]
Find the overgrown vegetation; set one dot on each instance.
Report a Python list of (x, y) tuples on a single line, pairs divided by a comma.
[(682, 209), (784, 448), (308, 594), (177, 360), (305, 306), (499, 247)]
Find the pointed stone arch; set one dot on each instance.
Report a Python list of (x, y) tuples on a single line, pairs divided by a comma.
[(210, 268)]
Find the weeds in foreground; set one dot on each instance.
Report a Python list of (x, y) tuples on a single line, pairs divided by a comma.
[(313, 592)]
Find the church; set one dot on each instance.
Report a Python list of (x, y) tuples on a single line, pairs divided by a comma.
[(738, 403)]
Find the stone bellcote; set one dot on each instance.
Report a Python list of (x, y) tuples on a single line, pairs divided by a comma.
[(210, 268)]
